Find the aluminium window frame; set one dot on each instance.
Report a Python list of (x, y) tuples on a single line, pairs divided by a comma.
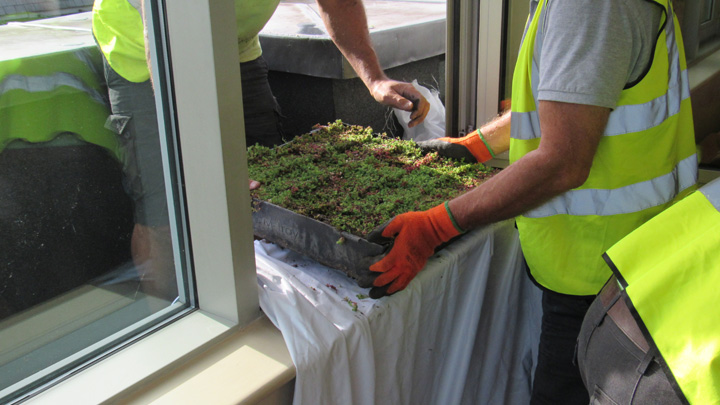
[(711, 28), (475, 84), (700, 38), (475, 27)]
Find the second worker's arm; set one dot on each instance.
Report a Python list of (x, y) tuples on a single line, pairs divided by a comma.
[(346, 22), (571, 134)]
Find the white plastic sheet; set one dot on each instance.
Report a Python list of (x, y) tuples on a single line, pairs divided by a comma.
[(434, 124), (465, 331)]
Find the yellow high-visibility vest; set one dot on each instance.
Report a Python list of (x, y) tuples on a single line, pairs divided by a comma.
[(50, 94), (118, 28), (645, 160), (670, 269), (251, 17)]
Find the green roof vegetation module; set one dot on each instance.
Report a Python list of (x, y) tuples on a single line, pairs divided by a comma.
[(355, 180)]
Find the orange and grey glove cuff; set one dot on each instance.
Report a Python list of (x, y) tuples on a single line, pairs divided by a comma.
[(444, 222), (452, 217), (475, 143)]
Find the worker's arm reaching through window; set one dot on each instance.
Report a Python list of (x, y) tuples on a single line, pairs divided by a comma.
[(346, 23), (480, 145)]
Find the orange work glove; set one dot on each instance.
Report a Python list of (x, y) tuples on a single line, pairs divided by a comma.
[(471, 147), (416, 235)]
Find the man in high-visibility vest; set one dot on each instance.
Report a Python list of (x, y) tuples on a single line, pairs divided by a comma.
[(117, 26), (118, 29), (601, 140), (652, 335), (60, 190)]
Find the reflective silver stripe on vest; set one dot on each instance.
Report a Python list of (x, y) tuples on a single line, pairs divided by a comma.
[(37, 84), (639, 117), (89, 58), (524, 120), (623, 200), (712, 193), (624, 119), (527, 119), (627, 118)]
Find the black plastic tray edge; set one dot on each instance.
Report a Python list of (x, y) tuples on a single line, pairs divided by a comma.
[(323, 243)]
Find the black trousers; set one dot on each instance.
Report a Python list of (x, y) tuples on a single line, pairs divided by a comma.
[(616, 363), (64, 220), (134, 121), (260, 108), (557, 378)]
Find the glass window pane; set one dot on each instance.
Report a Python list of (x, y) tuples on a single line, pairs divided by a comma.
[(706, 10), (91, 248)]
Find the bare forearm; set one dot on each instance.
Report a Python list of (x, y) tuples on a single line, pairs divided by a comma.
[(571, 134), (497, 133), (346, 23), (520, 187)]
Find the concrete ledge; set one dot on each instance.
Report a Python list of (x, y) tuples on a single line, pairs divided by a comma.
[(295, 39)]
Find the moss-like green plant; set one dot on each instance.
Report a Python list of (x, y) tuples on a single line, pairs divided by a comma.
[(355, 180)]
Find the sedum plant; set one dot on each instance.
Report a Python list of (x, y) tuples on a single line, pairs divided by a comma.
[(355, 180)]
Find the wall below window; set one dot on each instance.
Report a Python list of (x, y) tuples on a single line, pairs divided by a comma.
[(307, 100), (705, 94)]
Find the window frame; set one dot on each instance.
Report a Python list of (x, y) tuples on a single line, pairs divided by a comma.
[(204, 104), (473, 92), (214, 165), (711, 28), (474, 84)]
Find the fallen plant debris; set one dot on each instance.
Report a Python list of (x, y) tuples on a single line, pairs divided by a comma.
[(353, 304), (355, 180)]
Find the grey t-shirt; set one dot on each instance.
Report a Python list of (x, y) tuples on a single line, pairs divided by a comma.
[(592, 48)]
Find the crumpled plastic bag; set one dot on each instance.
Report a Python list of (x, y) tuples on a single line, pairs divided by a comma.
[(434, 124)]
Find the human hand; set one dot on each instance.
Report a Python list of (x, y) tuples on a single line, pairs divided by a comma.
[(472, 147), (401, 95), (415, 236)]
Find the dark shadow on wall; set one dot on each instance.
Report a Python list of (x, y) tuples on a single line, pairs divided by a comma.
[(64, 220)]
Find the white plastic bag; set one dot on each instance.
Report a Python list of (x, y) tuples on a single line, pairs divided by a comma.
[(434, 124)]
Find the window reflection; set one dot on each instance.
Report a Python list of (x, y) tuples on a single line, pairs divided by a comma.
[(706, 11), (85, 244)]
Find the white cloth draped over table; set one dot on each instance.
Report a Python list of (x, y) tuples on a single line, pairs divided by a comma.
[(465, 331)]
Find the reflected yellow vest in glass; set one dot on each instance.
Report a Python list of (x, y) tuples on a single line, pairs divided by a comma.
[(645, 159), (670, 268), (49, 94), (118, 28)]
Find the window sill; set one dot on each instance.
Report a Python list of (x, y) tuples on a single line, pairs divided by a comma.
[(704, 69), (197, 359)]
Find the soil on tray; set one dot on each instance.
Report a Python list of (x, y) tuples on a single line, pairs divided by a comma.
[(355, 180)]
